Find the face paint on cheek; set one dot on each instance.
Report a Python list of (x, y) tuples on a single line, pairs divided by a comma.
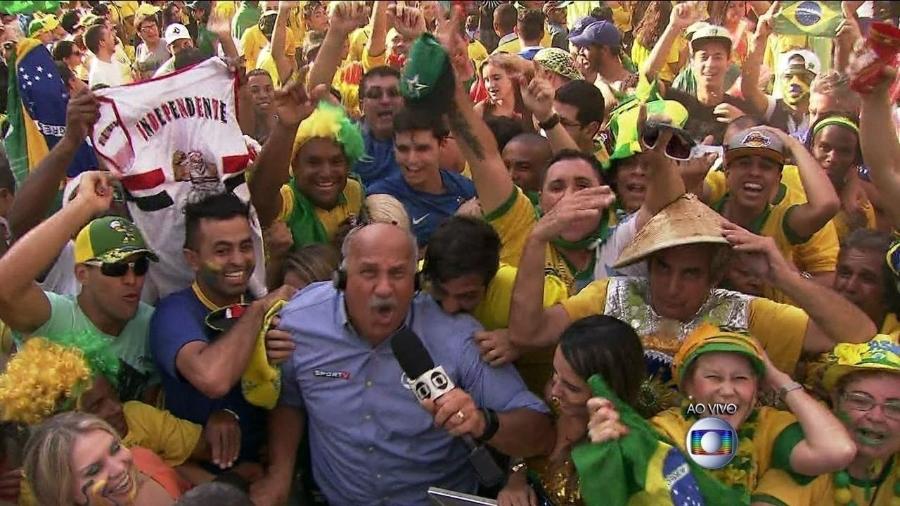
[(789, 89), (211, 267)]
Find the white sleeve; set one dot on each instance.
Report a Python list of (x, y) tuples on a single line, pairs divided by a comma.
[(609, 251), (770, 108)]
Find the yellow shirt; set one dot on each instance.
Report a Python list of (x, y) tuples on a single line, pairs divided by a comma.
[(477, 53), (225, 10), (172, 438), (780, 328), (253, 41), (536, 366), (777, 487), (775, 435), (515, 45), (639, 54), (331, 219), (358, 40), (513, 221)]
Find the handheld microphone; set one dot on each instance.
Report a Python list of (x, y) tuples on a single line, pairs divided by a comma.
[(432, 382)]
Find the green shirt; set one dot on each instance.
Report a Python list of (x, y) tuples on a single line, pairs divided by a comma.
[(246, 16), (137, 370)]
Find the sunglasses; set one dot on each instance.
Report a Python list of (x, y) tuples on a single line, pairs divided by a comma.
[(679, 146), (222, 319), (118, 269)]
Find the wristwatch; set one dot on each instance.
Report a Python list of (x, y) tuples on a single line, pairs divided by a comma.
[(551, 122), (790, 387), (491, 425)]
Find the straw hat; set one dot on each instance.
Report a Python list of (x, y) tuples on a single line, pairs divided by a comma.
[(685, 221)]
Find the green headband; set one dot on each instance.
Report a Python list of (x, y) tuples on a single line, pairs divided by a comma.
[(836, 120)]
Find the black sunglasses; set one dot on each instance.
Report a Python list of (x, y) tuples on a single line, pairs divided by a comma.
[(679, 146), (118, 269), (376, 93)]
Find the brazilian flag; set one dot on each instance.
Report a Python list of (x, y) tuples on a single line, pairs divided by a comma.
[(808, 17), (642, 469), (29, 6)]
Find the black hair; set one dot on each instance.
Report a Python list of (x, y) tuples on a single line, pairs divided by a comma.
[(63, 49), (259, 72), (92, 37), (380, 71), (459, 246), (220, 494), (504, 129), (407, 120), (531, 24), (811, 138), (878, 242), (189, 56), (607, 346), (572, 154), (507, 16), (586, 98), (68, 20), (216, 207)]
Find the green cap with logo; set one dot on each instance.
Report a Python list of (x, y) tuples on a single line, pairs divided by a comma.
[(109, 240), (427, 64)]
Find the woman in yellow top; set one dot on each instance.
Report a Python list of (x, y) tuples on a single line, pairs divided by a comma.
[(864, 381), (834, 143), (714, 365), (594, 345)]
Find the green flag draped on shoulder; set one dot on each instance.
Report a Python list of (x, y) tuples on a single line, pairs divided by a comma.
[(808, 17), (641, 468)]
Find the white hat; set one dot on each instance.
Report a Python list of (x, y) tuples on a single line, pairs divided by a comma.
[(810, 60), (176, 31)]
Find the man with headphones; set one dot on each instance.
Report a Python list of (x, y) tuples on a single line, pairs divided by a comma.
[(371, 440)]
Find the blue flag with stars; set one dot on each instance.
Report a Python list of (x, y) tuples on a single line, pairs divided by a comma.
[(45, 97)]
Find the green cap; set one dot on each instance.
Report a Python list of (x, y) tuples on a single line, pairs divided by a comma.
[(624, 128), (426, 64), (110, 239), (42, 25)]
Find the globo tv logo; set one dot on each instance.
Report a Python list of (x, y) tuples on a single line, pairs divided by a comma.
[(711, 442)]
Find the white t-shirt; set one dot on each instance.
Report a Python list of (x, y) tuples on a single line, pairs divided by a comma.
[(61, 278), (110, 74)]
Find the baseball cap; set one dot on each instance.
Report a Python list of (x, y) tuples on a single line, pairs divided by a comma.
[(176, 31), (601, 33), (811, 62), (42, 25), (755, 141), (710, 32), (549, 6), (580, 25), (556, 60), (110, 239)]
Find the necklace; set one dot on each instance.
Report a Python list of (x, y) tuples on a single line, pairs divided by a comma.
[(844, 497)]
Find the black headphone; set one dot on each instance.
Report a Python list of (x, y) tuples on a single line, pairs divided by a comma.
[(339, 280)]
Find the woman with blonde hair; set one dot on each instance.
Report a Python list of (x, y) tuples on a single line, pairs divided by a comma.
[(501, 73), (76, 458)]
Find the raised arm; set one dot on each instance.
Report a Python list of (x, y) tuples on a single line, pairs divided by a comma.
[(822, 200), (375, 46), (221, 28), (826, 446), (345, 17), (683, 15), (530, 325), (880, 146), (833, 319), (665, 183), (37, 193), (538, 98), (23, 305), (758, 100), (271, 171), (283, 63)]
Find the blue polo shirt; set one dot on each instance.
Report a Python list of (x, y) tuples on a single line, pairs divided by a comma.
[(371, 442), (180, 319), (378, 161), (427, 210)]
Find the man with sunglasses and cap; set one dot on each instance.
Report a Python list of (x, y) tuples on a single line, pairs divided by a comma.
[(111, 261), (600, 46)]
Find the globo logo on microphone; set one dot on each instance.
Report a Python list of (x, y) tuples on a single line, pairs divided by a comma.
[(433, 384)]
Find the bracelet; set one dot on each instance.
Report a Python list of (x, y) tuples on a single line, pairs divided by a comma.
[(517, 465), (232, 413), (492, 425), (551, 122), (786, 389)]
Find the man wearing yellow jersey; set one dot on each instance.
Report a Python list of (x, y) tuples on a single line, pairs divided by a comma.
[(754, 160), (312, 151), (685, 246)]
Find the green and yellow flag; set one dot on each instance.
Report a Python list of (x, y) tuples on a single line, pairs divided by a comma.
[(641, 468), (809, 17)]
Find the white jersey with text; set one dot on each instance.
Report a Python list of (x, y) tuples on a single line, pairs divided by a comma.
[(174, 140)]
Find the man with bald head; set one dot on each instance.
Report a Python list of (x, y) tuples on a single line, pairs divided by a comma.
[(371, 441), (526, 157)]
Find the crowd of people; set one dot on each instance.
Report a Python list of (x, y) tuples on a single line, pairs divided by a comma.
[(342, 252)]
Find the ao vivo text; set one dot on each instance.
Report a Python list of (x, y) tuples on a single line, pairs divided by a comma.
[(712, 408)]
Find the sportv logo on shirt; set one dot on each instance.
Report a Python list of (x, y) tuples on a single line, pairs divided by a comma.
[(344, 375)]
